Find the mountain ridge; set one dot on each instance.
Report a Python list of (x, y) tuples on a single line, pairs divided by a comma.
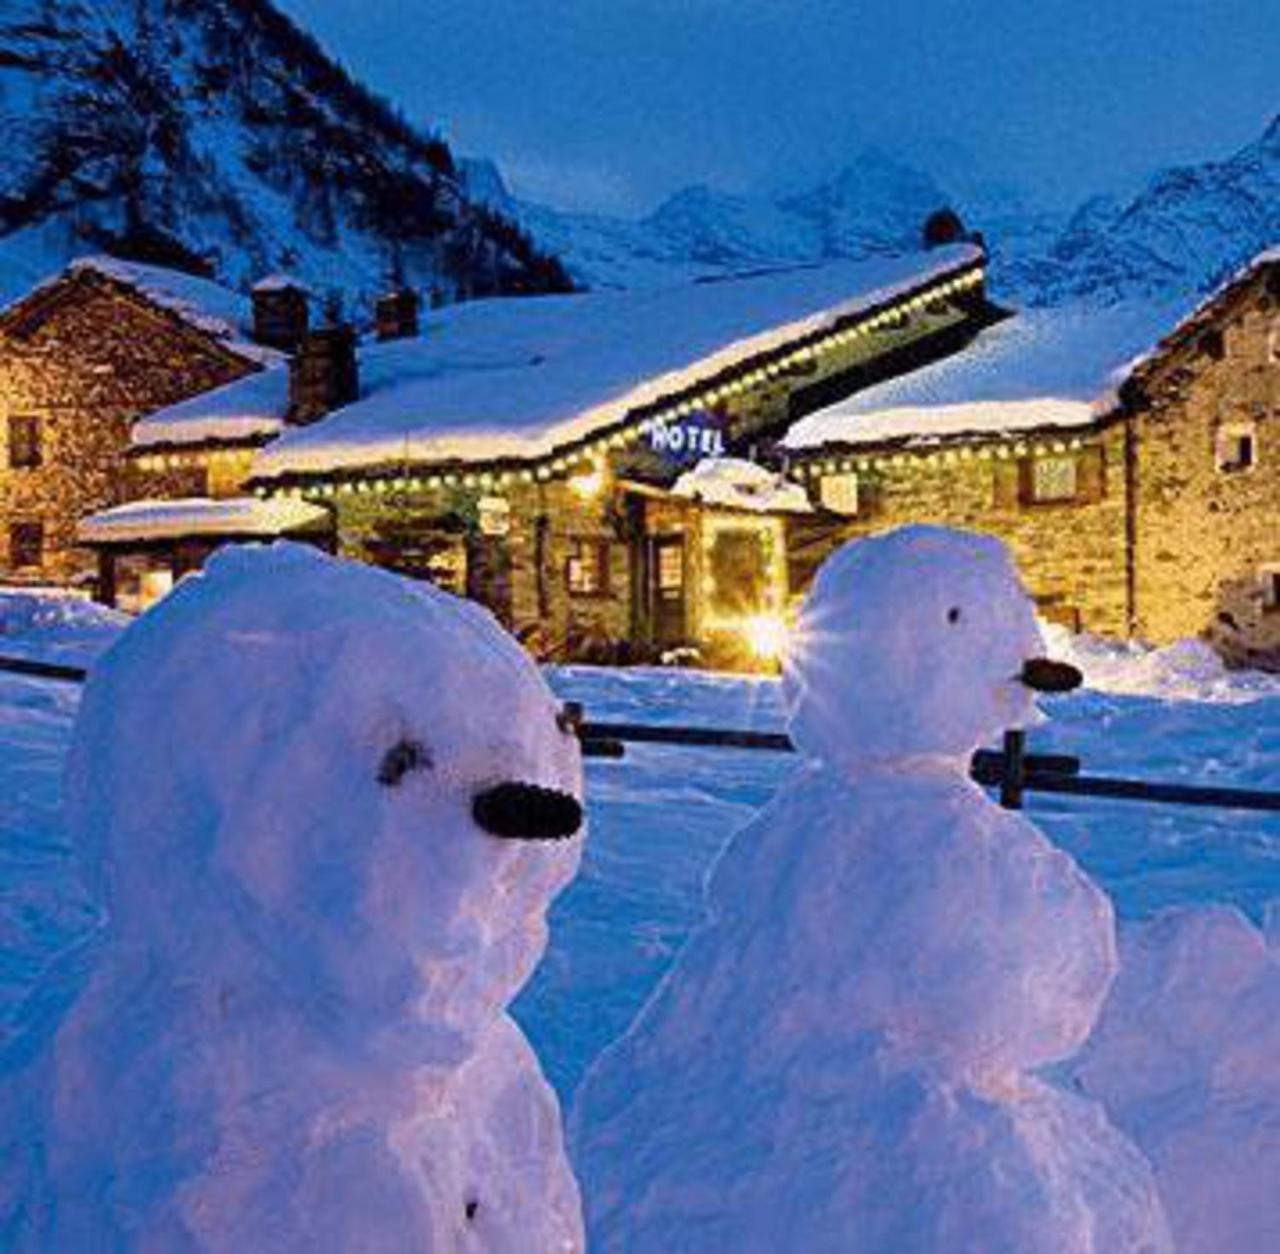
[(217, 136), (1183, 232)]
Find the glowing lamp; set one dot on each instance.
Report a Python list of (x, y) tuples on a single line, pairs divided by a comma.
[(766, 636), (587, 486)]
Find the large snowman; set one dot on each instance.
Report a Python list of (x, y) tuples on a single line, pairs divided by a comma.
[(844, 1057), (325, 810)]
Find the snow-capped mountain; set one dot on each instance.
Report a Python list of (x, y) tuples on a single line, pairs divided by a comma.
[(1180, 235), (1188, 229), (875, 204), (214, 133)]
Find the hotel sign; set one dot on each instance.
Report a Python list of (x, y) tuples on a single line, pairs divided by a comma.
[(689, 439)]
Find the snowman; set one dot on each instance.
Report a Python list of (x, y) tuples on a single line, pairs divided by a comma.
[(845, 1056), (325, 810)]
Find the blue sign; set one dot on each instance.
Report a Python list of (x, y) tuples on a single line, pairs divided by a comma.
[(688, 439)]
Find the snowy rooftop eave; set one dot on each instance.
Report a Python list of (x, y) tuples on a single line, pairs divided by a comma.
[(522, 379), (225, 316), (1142, 363), (235, 517), (1044, 370), (247, 411)]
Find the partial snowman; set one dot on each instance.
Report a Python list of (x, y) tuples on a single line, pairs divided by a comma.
[(844, 1056), (325, 810), (1186, 1057)]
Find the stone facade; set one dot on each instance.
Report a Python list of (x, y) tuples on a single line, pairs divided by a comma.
[(1162, 521), (84, 358), (1068, 538), (1205, 418)]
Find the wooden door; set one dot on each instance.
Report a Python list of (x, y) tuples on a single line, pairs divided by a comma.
[(668, 584)]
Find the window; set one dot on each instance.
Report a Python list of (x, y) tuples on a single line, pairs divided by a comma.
[(839, 493), (1235, 448), (24, 441), (670, 571), (1054, 479), (587, 570), (1270, 579), (26, 544)]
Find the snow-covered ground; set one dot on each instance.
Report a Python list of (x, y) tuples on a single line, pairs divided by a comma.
[(660, 816)]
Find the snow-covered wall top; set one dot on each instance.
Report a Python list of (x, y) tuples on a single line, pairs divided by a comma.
[(519, 379), (1043, 368)]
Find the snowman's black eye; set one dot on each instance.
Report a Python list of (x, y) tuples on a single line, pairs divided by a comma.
[(404, 756), (953, 614)]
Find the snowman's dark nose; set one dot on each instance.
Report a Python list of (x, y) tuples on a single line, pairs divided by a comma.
[(1045, 675), (527, 812)]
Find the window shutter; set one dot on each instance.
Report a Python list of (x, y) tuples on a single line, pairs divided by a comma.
[(1091, 474), (1007, 484)]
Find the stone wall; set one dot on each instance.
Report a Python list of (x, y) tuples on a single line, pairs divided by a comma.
[(521, 574), (1207, 537), (1071, 554), (87, 361)]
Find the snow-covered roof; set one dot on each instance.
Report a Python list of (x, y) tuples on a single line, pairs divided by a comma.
[(279, 283), (199, 516), (1204, 310), (738, 484), (520, 378), (1044, 369), (220, 312), (246, 409)]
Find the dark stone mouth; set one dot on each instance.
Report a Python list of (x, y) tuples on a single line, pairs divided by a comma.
[(516, 811), (1045, 675)]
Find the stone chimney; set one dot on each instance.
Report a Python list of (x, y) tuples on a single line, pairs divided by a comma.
[(323, 374), (281, 315), (396, 315)]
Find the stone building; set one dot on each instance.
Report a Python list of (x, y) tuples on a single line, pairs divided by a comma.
[(81, 358), (1202, 416), (1140, 498), (521, 452)]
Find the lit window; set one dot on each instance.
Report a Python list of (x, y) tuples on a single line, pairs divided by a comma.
[(670, 571), (1053, 479), (24, 442), (839, 493), (587, 570), (26, 544), (1236, 448)]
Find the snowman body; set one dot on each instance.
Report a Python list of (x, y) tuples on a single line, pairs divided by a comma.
[(296, 1035), (843, 1057)]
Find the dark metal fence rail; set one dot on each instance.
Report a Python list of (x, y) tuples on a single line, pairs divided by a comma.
[(1010, 769)]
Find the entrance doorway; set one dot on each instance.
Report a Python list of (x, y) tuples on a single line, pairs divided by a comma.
[(668, 579)]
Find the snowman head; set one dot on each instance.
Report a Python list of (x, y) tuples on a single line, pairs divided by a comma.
[(355, 787), (920, 642)]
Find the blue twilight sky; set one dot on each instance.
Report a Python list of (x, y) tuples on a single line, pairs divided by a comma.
[(611, 104)]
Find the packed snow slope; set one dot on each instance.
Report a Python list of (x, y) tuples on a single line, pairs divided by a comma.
[(215, 134), (660, 817), (323, 811)]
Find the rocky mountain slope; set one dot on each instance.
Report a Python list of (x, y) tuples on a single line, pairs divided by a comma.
[(1189, 228), (216, 135)]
